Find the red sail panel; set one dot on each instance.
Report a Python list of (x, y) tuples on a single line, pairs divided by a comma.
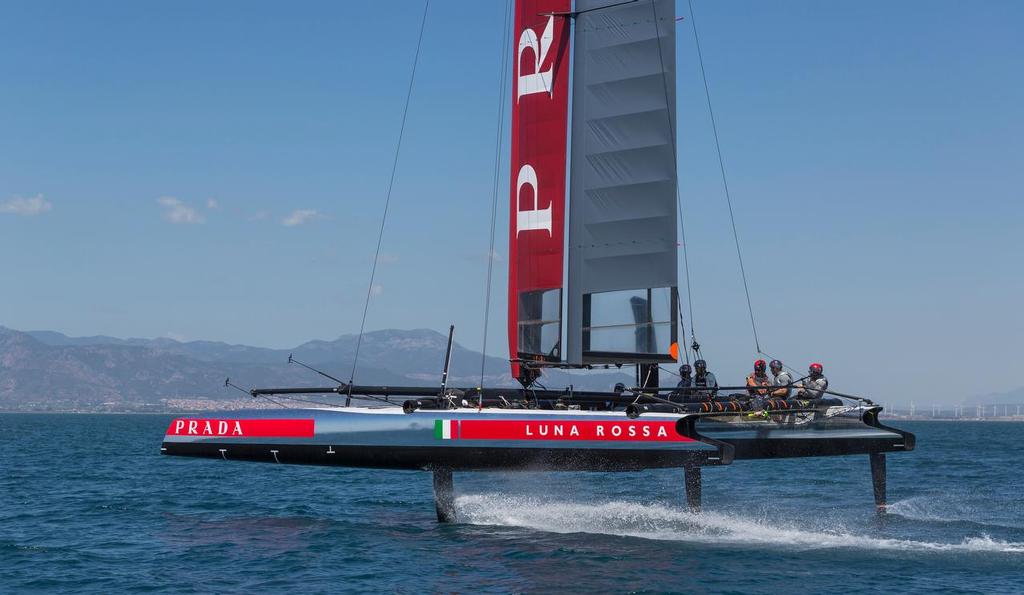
[(540, 106)]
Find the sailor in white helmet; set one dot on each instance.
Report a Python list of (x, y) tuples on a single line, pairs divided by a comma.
[(781, 380), (815, 385)]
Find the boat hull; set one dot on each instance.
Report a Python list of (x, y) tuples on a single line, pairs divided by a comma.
[(471, 439), (461, 459), (820, 436)]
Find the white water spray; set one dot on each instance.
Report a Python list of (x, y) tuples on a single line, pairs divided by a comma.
[(660, 522)]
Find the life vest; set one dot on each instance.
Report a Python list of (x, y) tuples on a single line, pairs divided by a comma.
[(708, 382), (754, 381), (782, 380), (814, 388)]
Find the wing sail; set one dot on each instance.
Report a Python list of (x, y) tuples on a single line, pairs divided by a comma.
[(540, 106), (622, 290)]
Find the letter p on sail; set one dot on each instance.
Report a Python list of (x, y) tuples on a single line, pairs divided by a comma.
[(535, 219)]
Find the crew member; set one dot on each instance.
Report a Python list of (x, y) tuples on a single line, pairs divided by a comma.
[(815, 385), (684, 389), (704, 382), (780, 379), (758, 379)]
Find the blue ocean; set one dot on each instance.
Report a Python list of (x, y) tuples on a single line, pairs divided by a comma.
[(88, 504)]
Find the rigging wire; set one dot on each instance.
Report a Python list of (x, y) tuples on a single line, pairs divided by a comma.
[(502, 82), (725, 182), (679, 199), (274, 401), (300, 400), (228, 384), (679, 308), (321, 403), (387, 198)]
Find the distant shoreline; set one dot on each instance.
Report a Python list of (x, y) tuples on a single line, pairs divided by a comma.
[(30, 412)]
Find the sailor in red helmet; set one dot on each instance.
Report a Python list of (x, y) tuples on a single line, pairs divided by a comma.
[(815, 385), (758, 379)]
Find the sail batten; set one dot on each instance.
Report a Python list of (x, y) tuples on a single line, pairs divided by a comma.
[(622, 292)]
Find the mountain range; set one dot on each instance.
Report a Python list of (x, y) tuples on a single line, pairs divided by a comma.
[(49, 371), (1013, 397)]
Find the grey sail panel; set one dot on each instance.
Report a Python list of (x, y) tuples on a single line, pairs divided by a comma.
[(622, 213)]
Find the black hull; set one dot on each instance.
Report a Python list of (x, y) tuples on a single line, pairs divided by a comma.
[(462, 459), (826, 444), (821, 447)]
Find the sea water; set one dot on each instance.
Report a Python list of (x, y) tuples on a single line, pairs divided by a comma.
[(88, 504)]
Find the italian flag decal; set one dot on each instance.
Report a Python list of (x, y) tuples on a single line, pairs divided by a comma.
[(443, 429)]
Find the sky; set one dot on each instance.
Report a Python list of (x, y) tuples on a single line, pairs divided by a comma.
[(217, 171)]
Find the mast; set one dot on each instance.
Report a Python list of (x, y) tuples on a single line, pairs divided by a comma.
[(540, 106)]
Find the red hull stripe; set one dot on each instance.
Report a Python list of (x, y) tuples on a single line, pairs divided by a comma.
[(614, 431), (242, 428)]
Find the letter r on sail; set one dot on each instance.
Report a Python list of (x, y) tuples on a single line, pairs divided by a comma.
[(540, 80)]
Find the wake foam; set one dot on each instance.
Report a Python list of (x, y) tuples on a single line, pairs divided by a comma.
[(660, 522), (941, 509)]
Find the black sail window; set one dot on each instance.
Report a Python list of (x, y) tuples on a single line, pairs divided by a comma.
[(630, 325), (540, 324)]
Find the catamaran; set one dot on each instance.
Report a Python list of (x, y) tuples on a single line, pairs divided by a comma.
[(604, 262)]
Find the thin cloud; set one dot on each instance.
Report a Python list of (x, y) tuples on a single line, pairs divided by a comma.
[(492, 255), (178, 212), (26, 207), (300, 217), (387, 258), (211, 203), (376, 290)]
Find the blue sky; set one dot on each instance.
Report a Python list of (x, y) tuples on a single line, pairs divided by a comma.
[(152, 154)]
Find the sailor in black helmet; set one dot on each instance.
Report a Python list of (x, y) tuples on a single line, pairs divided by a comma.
[(781, 380), (704, 382), (684, 389), (815, 385)]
